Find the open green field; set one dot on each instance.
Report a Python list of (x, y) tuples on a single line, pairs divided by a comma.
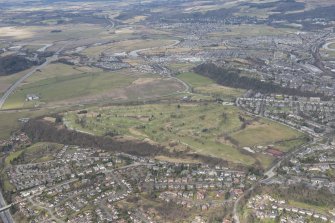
[(220, 91), (210, 129), (320, 209), (60, 83), (181, 67), (331, 53), (290, 144), (67, 87), (253, 12), (7, 81), (12, 156), (255, 133), (195, 80), (332, 46), (206, 86), (253, 30), (126, 46), (38, 152), (54, 70)]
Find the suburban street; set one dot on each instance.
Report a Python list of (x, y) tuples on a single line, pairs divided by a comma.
[(269, 175)]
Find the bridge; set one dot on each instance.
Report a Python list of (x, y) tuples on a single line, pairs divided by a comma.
[(2, 209)]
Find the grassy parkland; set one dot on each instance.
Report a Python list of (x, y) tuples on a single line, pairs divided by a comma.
[(204, 128)]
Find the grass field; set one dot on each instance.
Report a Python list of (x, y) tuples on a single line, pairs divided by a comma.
[(220, 91), (55, 70), (7, 81), (39, 152), (253, 30), (255, 133), (210, 129), (59, 83), (332, 46), (290, 144), (331, 53), (320, 209), (67, 87), (206, 86), (12, 156), (126, 46), (181, 67), (195, 80)]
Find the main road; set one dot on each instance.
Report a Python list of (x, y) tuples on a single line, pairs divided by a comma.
[(269, 174), (19, 82), (5, 216)]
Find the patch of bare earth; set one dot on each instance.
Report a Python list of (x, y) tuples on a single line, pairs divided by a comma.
[(153, 87)]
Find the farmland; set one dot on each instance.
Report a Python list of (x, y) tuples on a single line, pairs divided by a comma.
[(63, 84), (126, 46), (205, 86)]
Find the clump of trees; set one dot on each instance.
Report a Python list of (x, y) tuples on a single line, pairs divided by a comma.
[(39, 130), (12, 64), (231, 77)]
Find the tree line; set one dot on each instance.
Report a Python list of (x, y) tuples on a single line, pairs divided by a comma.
[(232, 78)]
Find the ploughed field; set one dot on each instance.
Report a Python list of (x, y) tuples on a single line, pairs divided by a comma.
[(205, 128)]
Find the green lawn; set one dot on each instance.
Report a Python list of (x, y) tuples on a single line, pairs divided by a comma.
[(220, 91), (195, 80), (206, 86), (12, 156), (69, 87), (320, 209), (39, 152), (331, 46), (290, 144), (7, 81), (63, 84), (126, 46), (181, 67), (266, 132), (55, 70)]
